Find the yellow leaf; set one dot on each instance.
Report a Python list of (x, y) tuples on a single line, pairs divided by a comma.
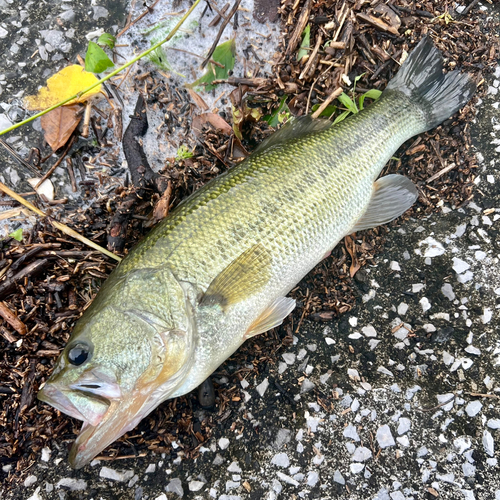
[(64, 84)]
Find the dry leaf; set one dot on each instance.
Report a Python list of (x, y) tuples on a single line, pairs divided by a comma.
[(350, 246), (64, 84), (210, 118), (46, 188), (198, 100), (59, 124)]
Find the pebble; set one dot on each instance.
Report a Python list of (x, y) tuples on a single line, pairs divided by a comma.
[(223, 443), (196, 485), (46, 454), (493, 423), (424, 302), (459, 265), (362, 454), (403, 441), (369, 331), (121, 476), (404, 425), (488, 443), (281, 460), (262, 387), (338, 477), (350, 432), (473, 408), (30, 481), (447, 291), (384, 437), (72, 483), (287, 479), (312, 478), (289, 358), (234, 467), (151, 468), (306, 386), (356, 468), (175, 486)]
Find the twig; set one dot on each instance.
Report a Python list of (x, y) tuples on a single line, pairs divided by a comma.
[(312, 56), (327, 101), (58, 225), (137, 19), (299, 28), (219, 34), (12, 319), (443, 171), (56, 164), (23, 162)]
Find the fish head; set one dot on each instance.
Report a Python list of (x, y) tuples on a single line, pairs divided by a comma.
[(118, 365)]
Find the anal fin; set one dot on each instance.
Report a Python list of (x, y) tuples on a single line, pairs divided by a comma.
[(392, 196), (273, 316)]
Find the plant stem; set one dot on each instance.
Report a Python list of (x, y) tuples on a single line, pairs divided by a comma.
[(107, 77)]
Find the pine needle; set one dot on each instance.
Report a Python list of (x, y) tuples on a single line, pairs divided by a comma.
[(58, 225)]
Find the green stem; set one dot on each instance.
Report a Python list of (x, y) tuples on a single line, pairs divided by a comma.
[(107, 77)]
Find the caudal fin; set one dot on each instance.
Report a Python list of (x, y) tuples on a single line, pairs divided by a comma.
[(421, 78)]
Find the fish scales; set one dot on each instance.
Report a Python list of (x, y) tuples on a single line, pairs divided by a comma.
[(216, 271)]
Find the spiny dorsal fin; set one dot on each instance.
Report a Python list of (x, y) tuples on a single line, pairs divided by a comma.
[(272, 317), (245, 276), (294, 129), (392, 196)]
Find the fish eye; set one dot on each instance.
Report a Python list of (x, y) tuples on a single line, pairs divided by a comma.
[(78, 354)]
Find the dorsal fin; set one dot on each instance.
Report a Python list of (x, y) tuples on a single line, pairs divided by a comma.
[(294, 129)]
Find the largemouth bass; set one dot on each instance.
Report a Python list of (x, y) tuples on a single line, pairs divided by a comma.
[(217, 271)]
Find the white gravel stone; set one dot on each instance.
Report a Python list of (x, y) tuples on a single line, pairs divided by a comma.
[(402, 308), (448, 399), (447, 291), (384, 437), (287, 479), (338, 477), (195, 485), (116, 475), (488, 443), (281, 460), (468, 469), (493, 423), (356, 468), (369, 331), (403, 441), (397, 495), (424, 302), (432, 248), (487, 315), (461, 444), (395, 266), (289, 358), (361, 454), (404, 425), (223, 443), (473, 408), (30, 481), (447, 478), (459, 265), (353, 374), (472, 350), (234, 467), (385, 371), (46, 454), (312, 478), (307, 386), (262, 387), (151, 468), (468, 494), (350, 432), (72, 483)]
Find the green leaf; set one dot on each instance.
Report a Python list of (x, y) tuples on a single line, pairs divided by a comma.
[(356, 79), (341, 117), (108, 40), (348, 102), (328, 111), (183, 153), (371, 94), (223, 54), (306, 42), (96, 60), (17, 234), (279, 114)]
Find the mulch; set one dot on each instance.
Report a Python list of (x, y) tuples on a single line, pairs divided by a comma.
[(48, 280)]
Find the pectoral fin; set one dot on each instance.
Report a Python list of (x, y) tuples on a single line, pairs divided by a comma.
[(245, 276), (392, 196), (273, 316)]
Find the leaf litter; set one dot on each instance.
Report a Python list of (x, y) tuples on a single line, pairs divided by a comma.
[(48, 280)]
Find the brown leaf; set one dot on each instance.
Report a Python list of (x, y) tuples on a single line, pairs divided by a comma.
[(350, 246), (59, 124), (198, 100), (216, 121), (377, 23)]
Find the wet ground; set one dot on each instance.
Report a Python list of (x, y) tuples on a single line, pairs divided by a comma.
[(399, 399)]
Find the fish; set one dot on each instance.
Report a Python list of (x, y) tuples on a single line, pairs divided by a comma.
[(218, 269)]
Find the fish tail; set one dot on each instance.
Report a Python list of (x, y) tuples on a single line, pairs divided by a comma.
[(439, 95)]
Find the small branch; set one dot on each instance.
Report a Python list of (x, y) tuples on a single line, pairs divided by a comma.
[(56, 164), (327, 101), (232, 12)]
